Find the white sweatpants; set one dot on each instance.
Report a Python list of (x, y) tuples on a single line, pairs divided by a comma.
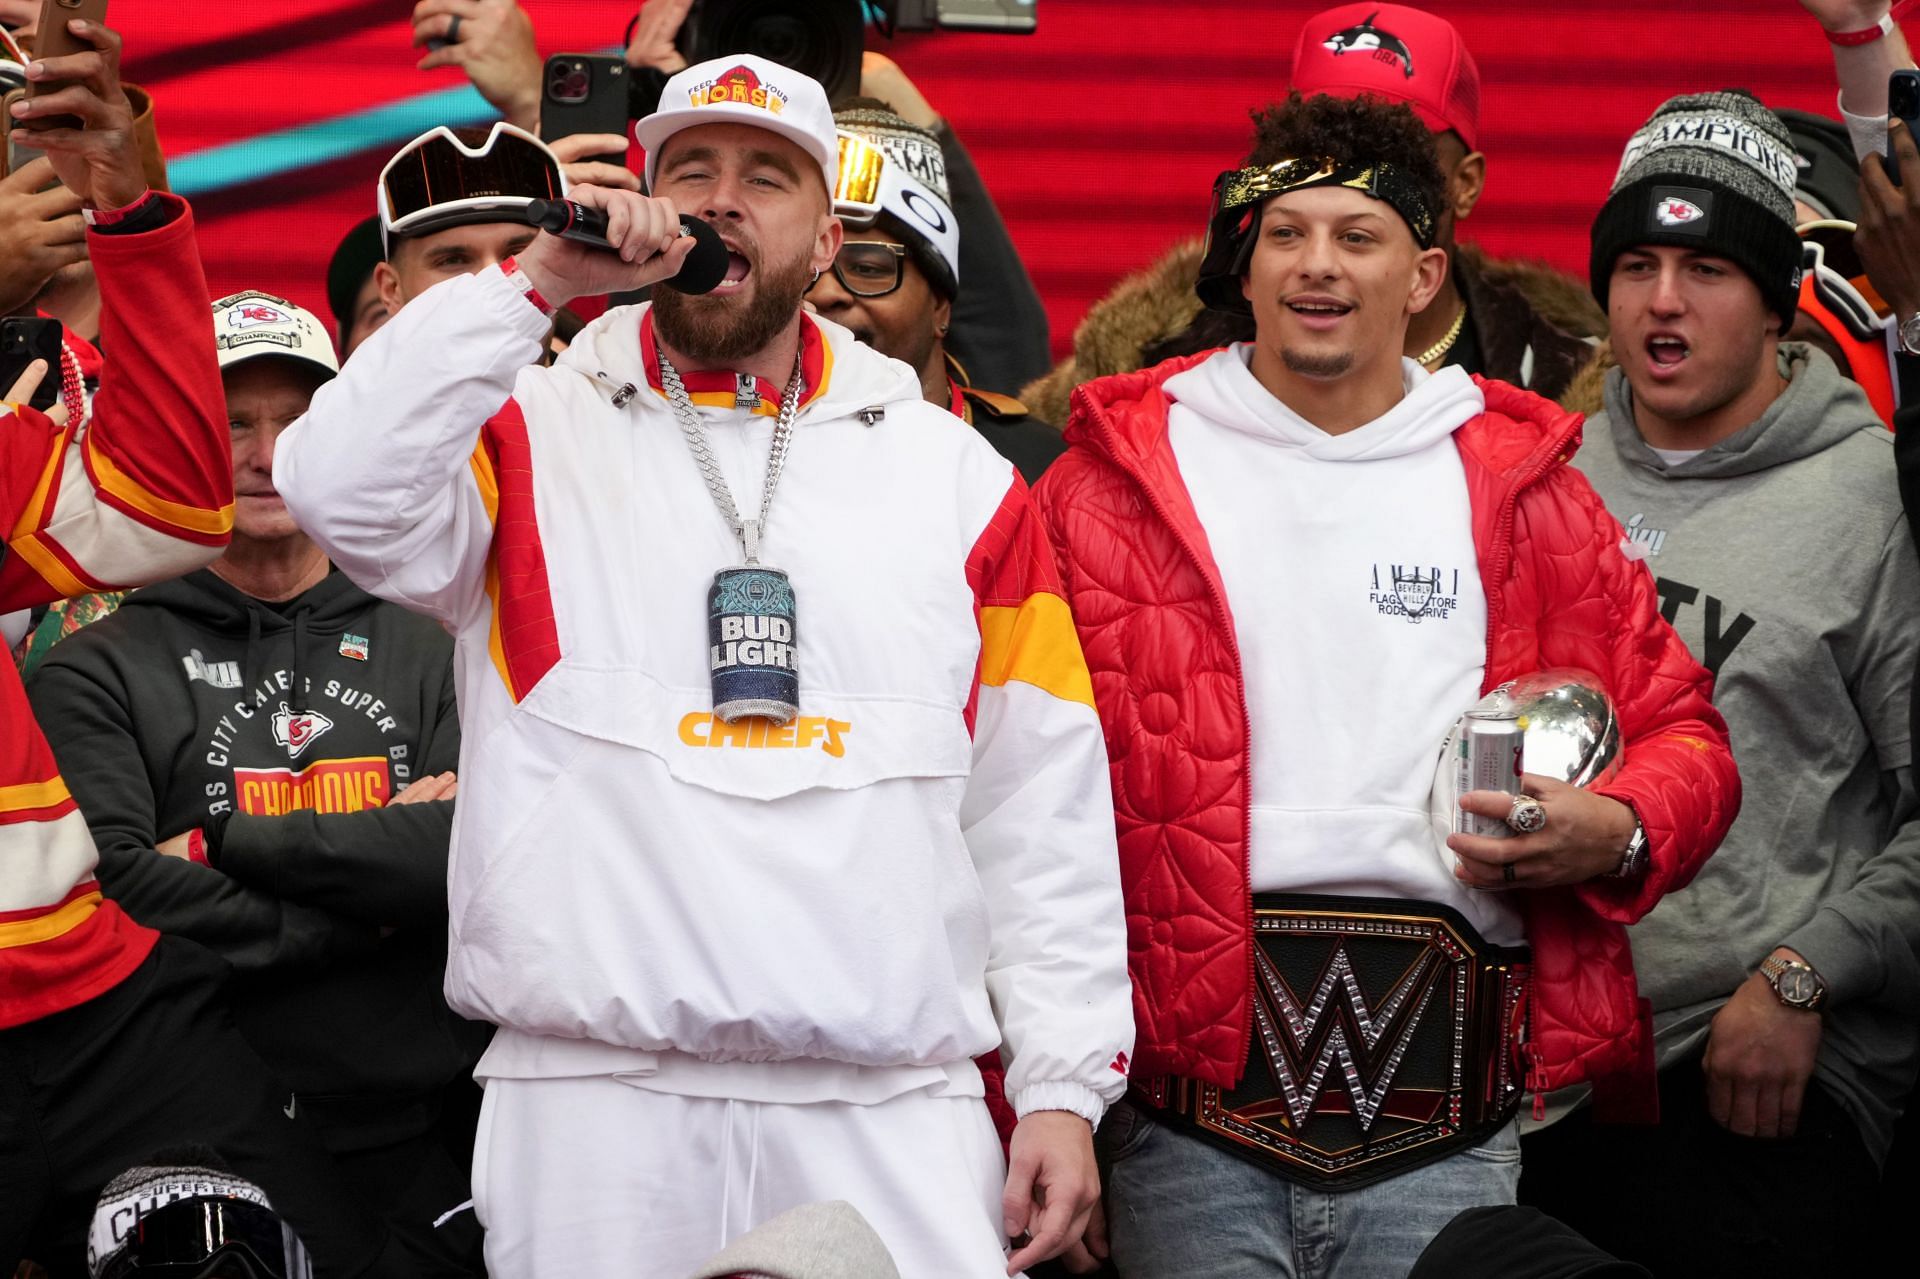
[(593, 1177)]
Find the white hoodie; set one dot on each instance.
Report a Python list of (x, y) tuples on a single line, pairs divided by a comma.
[(929, 851), (1350, 570)]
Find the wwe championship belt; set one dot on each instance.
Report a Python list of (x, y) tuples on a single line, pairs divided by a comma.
[(1386, 1035)]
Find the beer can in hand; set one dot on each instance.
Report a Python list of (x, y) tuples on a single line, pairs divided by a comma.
[(1490, 756)]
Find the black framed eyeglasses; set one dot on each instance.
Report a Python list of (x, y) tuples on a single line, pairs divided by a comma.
[(869, 268)]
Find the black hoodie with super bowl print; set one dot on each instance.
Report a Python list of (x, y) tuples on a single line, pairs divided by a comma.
[(284, 731)]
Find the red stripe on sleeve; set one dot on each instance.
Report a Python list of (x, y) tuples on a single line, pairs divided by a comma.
[(529, 638)]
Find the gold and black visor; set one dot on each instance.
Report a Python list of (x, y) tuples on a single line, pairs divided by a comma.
[(1238, 194)]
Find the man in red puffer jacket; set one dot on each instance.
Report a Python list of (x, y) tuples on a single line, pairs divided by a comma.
[(1293, 563)]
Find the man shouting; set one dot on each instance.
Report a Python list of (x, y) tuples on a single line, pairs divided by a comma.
[(745, 901)]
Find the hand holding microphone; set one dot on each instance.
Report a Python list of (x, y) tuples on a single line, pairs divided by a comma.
[(703, 269), (644, 234)]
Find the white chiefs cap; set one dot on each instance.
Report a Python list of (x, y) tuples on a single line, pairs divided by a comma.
[(744, 89), (250, 324)]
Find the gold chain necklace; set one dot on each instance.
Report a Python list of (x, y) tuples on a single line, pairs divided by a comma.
[(1445, 344)]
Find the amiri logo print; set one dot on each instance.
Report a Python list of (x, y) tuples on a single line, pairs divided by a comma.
[(1416, 592)]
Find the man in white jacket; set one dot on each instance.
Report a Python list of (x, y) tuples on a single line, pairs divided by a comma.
[(743, 965)]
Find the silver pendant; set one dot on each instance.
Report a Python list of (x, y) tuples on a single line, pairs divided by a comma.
[(752, 645)]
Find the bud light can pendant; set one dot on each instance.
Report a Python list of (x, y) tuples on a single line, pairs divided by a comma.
[(752, 644)]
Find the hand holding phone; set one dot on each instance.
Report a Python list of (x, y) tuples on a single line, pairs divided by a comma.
[(584, 93), (54, 39), (23, 341), (99, 161), (1903, 103)]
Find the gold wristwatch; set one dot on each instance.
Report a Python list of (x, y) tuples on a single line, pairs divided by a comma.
[(1794, 983)]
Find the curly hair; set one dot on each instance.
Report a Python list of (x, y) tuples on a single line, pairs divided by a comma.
[(1350, 131)]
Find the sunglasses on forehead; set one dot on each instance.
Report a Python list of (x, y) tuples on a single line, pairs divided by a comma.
[(211, 1239), (856, 188), (438, 181)]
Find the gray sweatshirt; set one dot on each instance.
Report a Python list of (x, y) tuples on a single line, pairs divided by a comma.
[(1783, 561)]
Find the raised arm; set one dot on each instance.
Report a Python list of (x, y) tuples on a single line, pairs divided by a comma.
[(379, 470), (145, 490), (382, 470)]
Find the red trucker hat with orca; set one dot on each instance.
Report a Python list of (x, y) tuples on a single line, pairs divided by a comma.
[(1393, 52)]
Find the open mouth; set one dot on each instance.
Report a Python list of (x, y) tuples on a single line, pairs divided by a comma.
[(1667, 352), (739, 267), (1319, 312)]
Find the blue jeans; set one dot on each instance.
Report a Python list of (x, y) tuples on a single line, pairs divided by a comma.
[(1179, 1208)]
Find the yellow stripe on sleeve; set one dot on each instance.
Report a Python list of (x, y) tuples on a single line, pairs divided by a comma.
[(1034, 644), (26, 932), (194, 519), (483, 477), (48, 566), (36, 505), (14, 799), (489, 486)]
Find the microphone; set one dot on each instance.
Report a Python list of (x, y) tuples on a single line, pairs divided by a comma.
[(704, 268)]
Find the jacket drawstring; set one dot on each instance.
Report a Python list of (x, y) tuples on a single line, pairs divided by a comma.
[(252, 682), (299, 642)]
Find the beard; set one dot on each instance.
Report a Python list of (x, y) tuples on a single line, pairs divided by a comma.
[(727, 330), (1320, 366)]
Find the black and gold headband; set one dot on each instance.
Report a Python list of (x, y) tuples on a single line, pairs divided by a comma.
[(1237, 188), (1237, 194)]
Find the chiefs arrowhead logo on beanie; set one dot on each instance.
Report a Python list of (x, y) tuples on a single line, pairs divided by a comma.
[(1713, 172)]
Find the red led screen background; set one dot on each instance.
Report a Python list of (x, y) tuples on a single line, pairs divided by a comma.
[(1099, 135)]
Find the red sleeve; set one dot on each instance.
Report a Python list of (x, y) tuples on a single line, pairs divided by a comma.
[(1678, 774), (1026, 630), (145, 492), (158, 447)]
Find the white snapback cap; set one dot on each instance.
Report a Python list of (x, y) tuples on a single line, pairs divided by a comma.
[(745, 89), (251, 324)]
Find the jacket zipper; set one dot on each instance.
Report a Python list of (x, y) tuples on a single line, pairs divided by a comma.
[(1503, 537), (1536, 1076), (1225, 622)]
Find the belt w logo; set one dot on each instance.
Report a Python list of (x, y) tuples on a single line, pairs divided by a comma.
[(1301, 1069), (1386, 1035)]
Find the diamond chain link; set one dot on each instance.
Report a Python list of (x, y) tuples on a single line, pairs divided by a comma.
[(709, 466)]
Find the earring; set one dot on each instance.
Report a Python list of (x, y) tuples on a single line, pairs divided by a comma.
[(815, 280)]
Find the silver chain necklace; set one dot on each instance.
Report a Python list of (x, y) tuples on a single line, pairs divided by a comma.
[(748, 531)]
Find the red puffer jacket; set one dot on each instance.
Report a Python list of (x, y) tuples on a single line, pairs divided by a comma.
[(1159, 636)]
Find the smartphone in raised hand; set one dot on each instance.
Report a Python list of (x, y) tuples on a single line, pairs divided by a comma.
[(1903, 104), (584, 93), (51, 39)]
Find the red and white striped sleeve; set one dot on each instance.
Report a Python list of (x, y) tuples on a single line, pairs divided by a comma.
[(143, 491), (1038, 821)]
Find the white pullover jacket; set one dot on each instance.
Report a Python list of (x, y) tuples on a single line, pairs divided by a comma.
[(920, 868)]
